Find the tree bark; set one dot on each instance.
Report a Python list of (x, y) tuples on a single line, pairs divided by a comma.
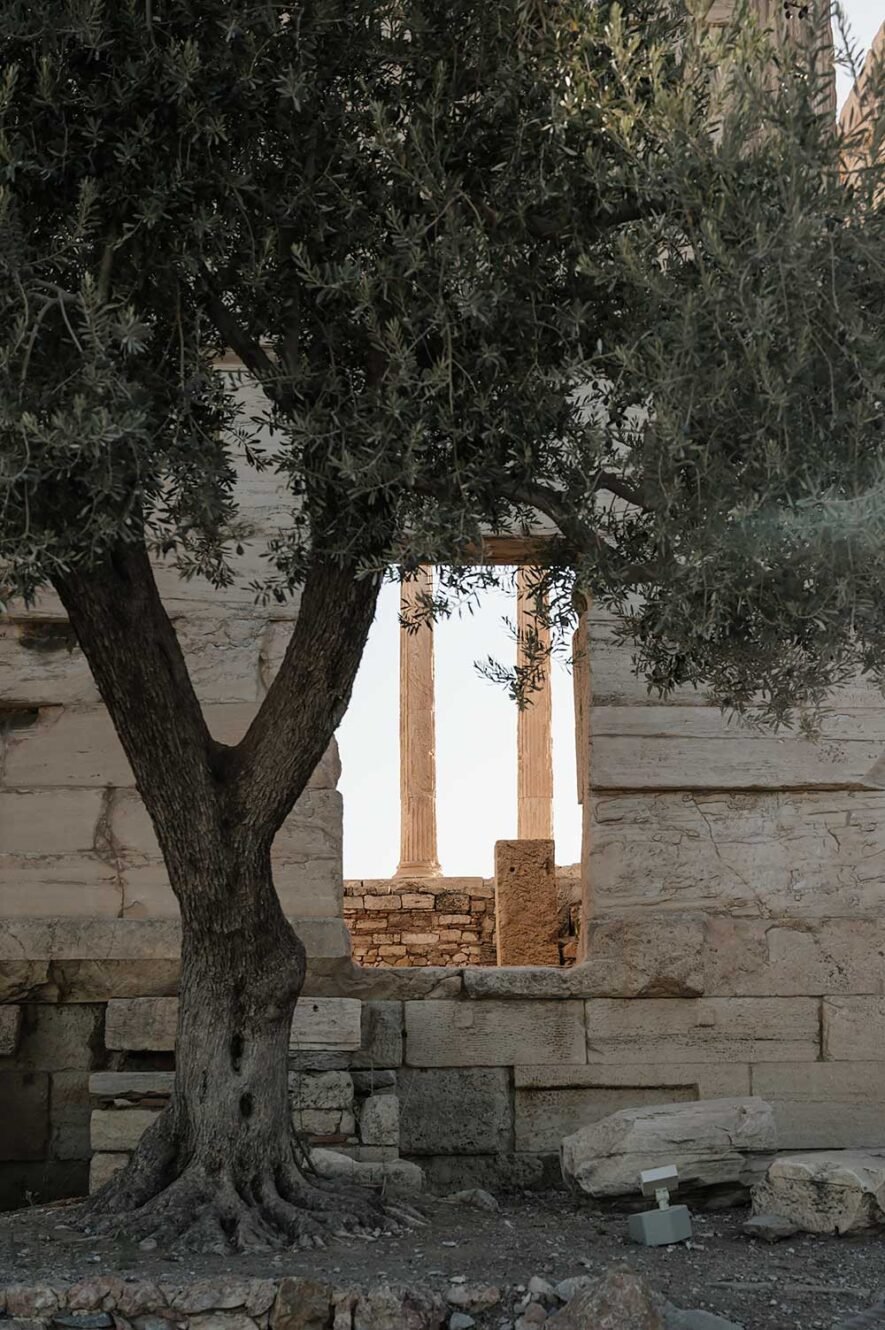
[(222, 1166)]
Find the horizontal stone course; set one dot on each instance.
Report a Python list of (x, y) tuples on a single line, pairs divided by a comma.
[(660, 747), (149, 1024), (702, 1030)]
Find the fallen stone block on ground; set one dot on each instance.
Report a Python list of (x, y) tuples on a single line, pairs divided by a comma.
[(396, 1175), (832, 1191), (711, 1142)]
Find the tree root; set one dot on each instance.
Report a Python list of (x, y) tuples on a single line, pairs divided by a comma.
[(276, 1209)]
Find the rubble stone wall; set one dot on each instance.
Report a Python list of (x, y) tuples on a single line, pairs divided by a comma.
[(441, 921)]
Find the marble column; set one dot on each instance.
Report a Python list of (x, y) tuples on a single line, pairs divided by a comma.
[(534, 740), (417, 737)]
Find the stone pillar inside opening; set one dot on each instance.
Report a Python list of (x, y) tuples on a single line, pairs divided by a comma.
[(534, 749), (417, 730)]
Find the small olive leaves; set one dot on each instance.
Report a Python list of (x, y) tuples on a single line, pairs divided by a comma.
[(484, 262)]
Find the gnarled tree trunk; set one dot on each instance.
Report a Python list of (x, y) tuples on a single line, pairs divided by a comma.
[(222, 1166)]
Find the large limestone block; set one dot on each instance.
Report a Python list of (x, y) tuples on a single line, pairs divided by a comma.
[(493, 1034), (81, 748), (702, 1030), (526, 918), (553, 1102), (457, 1111), (81, 959), (56, 885), (709, 1141), (806, 853), (41, 664), (395, 1175), (50, 822), (825, 1105), (659, 954), (116, 1130), (854, 1029), (830, 1192), (145, 1024), (677, 748)]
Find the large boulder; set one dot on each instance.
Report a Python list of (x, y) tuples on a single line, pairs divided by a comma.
[(832, 1191), (711, 1142)]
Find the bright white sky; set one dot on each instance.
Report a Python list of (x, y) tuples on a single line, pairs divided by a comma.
[(476, 722)]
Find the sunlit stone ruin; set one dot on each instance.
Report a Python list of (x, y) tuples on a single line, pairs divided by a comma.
[(723, 937)]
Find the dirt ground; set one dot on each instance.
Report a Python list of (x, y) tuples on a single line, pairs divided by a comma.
[(809, 1283)]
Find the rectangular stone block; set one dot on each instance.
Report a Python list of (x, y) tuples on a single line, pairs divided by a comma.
[(50, 822), (10, 1026), (490, 1034), (809, 854), (58, 885), (326, 1023), (81, 748), (321, 1090), (134, 1084), (60, 1038), (379, 1120), (553, 1102), (527, 924), (458, 1111), (115, 1130), (25, 1120), (381, 1039), (692, 747), (853, 1029), (92, 960), (149, 1024), (702, 1030), (41, 663), (712, 954), (825, 1105)]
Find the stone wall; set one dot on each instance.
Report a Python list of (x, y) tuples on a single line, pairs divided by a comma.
[(86, 910), (441, 921), (482, 1070)]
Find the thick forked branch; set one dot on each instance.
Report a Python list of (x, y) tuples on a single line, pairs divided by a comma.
[(136, 659), (309, 695)]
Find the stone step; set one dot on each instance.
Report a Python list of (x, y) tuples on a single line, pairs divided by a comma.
[(123, 1084)]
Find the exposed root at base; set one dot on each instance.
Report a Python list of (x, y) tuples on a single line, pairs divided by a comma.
[(199, 1213)]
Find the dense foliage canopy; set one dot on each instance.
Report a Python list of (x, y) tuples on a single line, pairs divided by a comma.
[(486, 260)]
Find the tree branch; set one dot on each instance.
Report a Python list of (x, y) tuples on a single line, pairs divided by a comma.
[(251, 352), (309, 695)]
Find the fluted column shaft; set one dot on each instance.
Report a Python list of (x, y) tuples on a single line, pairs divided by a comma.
[(417, 743), (534, 740)]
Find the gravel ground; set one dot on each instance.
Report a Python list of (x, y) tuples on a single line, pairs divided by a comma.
[(809, 1283)]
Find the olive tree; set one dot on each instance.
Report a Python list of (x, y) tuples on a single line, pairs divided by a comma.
[(485, 262)]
